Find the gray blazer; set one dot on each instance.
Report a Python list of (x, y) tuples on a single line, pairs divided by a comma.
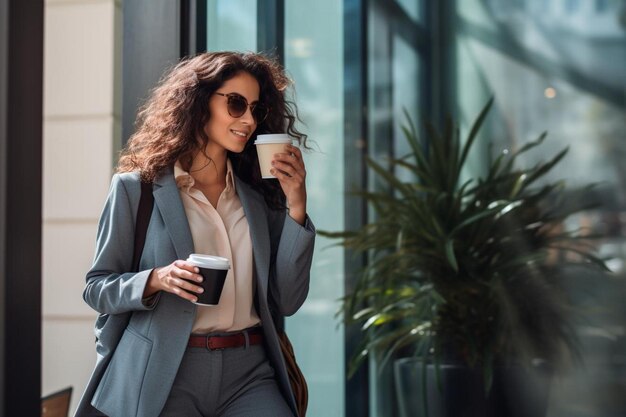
[(134, 377)]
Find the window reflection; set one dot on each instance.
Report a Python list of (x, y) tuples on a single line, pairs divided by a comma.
[(559, 66), (231, 25), (313, 58)]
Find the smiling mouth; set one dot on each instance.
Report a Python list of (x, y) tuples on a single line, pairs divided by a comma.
[(240, 134)]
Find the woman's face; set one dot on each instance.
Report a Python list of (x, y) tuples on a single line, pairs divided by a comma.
[(225, 132)]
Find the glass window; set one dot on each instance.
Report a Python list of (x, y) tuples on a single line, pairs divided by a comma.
[(412, 8), (406, 73), (571, 6), (563, 73), (395, 70), (314, 59), (231, 25)]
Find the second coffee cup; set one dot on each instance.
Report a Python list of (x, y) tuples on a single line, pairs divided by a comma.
[(213, 270), (266, 146)]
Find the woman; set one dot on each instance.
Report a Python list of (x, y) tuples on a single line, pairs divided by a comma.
[(194, 144)]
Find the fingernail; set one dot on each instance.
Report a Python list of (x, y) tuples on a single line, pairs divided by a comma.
[(272, 171), (196, 270), (199, 279), (201, 290)]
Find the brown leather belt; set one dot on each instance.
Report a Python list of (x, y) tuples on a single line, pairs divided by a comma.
[(254, 337)]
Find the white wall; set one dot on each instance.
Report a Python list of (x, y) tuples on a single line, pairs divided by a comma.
[(82, 78)]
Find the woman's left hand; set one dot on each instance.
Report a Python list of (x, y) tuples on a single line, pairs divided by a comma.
[(289, 169)]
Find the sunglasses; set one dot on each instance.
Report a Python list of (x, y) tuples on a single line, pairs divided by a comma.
[(237, 106)]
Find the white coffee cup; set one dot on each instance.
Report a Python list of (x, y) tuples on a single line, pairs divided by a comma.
[(268, 145)]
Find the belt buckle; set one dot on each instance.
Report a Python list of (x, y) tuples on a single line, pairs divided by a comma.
[(208, 344)]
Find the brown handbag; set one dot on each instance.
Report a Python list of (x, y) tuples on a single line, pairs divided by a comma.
[(296, 378)]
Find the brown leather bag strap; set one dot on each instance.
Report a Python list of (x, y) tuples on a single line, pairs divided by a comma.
[(144, 212), (296, 377)]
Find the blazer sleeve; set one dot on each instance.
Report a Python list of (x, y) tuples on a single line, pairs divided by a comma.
[(292, 267), (110, 288)]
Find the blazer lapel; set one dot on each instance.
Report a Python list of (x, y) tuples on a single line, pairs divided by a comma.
[(167, 200), (255, 210)]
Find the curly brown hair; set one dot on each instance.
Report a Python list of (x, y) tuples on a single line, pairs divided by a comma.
[(172, 120)]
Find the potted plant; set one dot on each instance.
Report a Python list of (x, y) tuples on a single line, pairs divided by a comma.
[(464, 272)]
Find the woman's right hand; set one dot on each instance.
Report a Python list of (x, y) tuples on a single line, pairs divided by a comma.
[(175, 278)]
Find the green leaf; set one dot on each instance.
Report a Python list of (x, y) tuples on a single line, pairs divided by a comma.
[(411, 137), (545, 168), (450, 255), (528, 146), (387, 176), (517, 186), (478, 216), (406, 339), (357, 359), (474, 133)]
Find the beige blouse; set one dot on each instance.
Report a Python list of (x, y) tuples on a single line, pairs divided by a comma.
[(221, 231)]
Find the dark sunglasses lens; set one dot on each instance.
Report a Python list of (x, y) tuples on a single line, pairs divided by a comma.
[(259, 112), (237, 106)]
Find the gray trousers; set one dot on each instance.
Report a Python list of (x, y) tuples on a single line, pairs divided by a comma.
[(234, 382)]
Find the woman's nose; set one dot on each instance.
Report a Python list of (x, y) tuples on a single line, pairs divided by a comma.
[(247, 116)]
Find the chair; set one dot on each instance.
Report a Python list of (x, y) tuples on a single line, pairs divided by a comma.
[(56, 404)]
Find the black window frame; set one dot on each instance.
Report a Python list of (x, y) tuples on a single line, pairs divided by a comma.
[(21, 121)]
